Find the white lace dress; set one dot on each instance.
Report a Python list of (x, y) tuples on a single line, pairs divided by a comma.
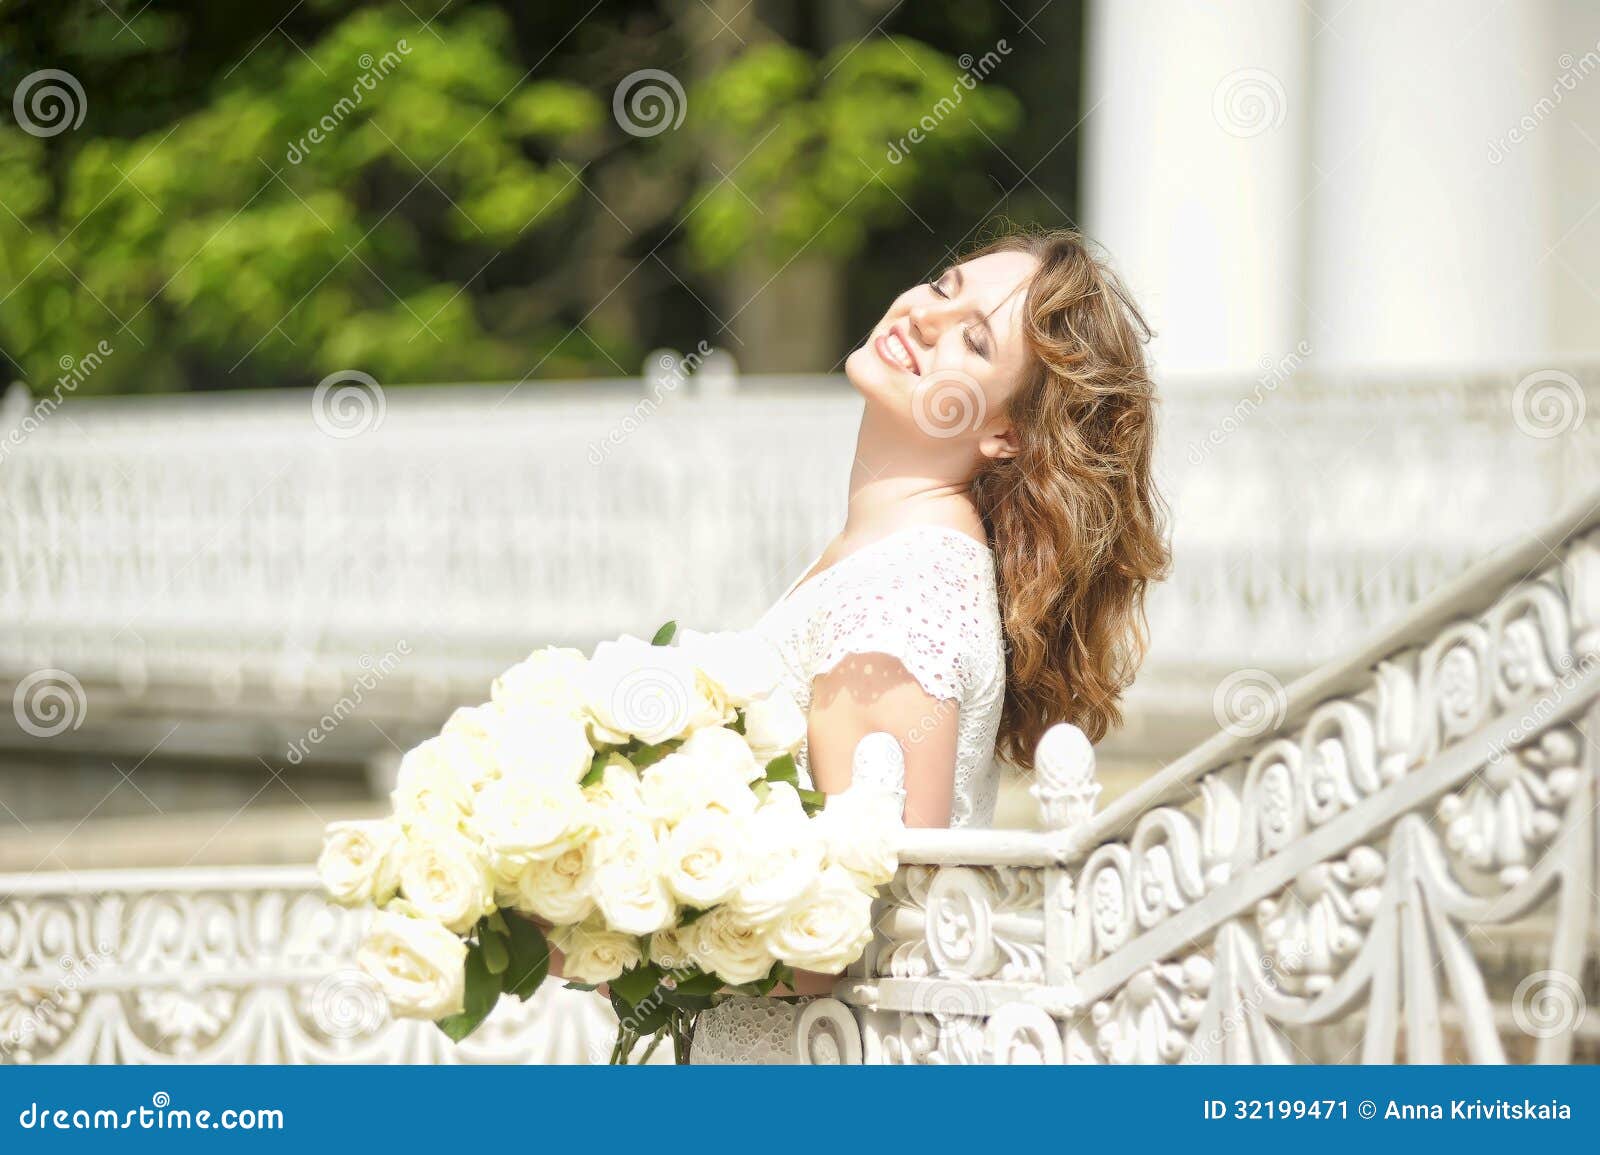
[(926, 596)]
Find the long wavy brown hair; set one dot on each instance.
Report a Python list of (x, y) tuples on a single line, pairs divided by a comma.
[(1076, 523)]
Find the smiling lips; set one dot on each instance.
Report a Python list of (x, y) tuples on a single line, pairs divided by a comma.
[(892, 348)]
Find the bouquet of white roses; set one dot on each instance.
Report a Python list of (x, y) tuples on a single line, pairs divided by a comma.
[(642, 805)]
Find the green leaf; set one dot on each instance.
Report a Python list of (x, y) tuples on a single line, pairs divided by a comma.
[(737, 725), (641, 755), (597, 769), (483, 991), (689, 916), (699, 984), (530, 957), (577, 986), (458, 1027), (636, 985), (641, 1022), (496, 957), (665, 634), (783, 769), (812, 801), (483, 987)]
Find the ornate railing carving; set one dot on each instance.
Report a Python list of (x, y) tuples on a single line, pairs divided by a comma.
[(229, 966), (1401, 870)]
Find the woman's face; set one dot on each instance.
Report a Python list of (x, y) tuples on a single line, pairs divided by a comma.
[(948, 354)]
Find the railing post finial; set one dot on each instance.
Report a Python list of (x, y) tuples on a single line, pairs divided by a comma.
[(1064, 785)]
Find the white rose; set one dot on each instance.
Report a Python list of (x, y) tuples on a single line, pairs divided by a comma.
[(733, 950), (468, 743), (525, 820), (617, 792), (557, 889), (678, 786), (784, 858), (828, 928), (720, 750), (774, 726), (539, 743), (360, 862), (628, 887), (740, 666), (861, 829), (591, 954), (632, 689), (551, 678), (670, 948), (703, 856), (445, 877), (418, 965), (430, 790)]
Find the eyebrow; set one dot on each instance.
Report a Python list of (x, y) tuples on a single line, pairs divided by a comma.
[(983, 318)]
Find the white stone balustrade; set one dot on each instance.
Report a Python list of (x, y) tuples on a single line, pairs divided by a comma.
[(1400, 869), (243, 965), (207, 556)]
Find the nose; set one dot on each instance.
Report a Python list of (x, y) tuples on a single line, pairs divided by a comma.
[(928, 322)]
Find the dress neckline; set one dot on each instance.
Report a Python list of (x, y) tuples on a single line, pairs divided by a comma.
[(804, 582)]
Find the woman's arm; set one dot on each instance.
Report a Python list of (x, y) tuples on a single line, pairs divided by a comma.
[(865, 693)]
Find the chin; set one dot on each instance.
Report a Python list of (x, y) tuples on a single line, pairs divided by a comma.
[(871, 377)]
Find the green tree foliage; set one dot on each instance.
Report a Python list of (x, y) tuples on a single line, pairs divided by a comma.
[(430, 200)]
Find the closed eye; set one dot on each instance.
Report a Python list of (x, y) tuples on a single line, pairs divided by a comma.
[(939, 290)]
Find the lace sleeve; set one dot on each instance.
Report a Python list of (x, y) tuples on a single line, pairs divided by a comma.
[(922, 608)]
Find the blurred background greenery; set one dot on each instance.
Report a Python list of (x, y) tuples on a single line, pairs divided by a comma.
[(470, 206)]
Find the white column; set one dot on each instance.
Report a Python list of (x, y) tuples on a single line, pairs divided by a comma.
[(1428, 244), (1193, 159)]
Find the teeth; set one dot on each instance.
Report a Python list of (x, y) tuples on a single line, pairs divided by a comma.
[(897, 347)]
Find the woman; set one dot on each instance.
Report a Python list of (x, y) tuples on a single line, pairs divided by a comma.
[(1002, 528)]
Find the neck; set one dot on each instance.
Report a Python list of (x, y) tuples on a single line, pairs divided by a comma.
[(895, 483)]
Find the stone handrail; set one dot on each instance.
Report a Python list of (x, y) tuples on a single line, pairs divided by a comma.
[(1393, 860), (230, 965)]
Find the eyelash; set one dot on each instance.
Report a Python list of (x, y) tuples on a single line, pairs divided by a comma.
[(971, 344)]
